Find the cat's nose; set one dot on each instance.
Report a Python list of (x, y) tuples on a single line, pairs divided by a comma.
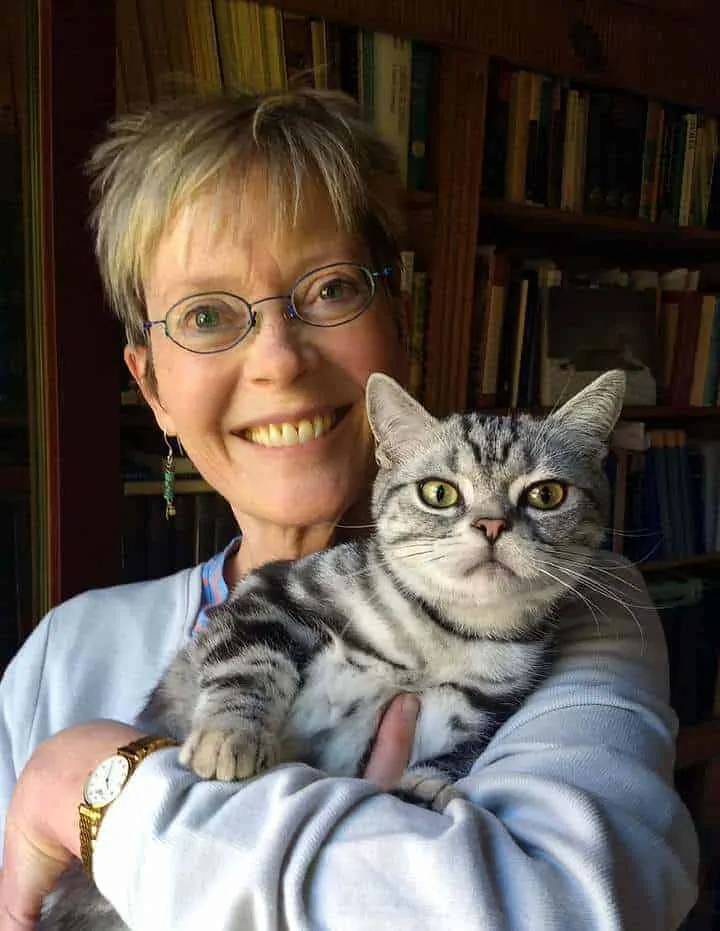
[(491, 527)]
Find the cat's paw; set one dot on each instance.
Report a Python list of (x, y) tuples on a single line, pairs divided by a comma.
[(429, 788), (227, 755)]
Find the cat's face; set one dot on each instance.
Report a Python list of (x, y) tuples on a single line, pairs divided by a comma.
[(481, 509)]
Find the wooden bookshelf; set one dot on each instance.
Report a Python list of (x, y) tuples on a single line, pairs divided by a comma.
[(702, 562), (516, 224)]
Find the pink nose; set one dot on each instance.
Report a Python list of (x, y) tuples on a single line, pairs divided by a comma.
[(491, 527)]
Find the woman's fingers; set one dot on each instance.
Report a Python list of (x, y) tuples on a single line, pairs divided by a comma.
[(393, 742)]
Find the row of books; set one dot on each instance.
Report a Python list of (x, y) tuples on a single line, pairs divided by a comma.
[(171, 46), (541, 332), (666, 494), (553, 143)]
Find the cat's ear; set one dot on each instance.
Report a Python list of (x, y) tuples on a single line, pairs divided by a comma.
[(398, 422), (595, 410)]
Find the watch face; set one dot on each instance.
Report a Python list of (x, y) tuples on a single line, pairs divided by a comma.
[(106, 780)]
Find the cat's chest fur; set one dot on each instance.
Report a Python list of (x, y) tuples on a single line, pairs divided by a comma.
[(464, 684)]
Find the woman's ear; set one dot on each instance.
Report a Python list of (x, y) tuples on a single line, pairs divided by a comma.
[(138, 362)]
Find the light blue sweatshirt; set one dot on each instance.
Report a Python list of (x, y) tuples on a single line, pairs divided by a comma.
[(570, 822)]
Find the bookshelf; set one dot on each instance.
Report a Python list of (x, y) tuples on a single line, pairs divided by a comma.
[(660, 50)]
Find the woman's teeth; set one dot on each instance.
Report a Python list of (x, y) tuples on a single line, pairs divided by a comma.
[(290, 434)]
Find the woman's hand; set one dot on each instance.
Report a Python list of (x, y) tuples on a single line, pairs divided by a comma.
[(393, 743), (41, 830)]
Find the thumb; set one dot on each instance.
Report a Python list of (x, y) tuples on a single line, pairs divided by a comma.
[(393, 743)]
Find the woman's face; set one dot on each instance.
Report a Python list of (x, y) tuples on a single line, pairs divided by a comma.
[(283, 372)]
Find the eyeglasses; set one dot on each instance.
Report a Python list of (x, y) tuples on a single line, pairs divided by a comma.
[(324, 297)]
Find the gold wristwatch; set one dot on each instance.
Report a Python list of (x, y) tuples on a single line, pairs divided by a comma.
[(104, 785)]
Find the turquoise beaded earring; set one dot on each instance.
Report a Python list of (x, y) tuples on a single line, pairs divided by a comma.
[(169, 481)]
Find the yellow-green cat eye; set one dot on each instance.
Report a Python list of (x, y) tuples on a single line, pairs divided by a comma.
[(545, 495), (438, 494)]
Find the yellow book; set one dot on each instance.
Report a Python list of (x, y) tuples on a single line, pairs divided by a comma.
[(178, 45), (233, 75), (271, 27), (203, 45)]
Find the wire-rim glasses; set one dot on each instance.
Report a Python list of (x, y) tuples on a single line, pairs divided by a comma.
[(328, 296)]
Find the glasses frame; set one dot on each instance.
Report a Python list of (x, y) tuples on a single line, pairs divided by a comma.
[(290, 312)]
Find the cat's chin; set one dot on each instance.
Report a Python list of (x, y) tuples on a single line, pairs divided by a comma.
[(493, 579)]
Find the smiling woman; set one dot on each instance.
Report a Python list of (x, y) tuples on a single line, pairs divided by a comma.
[(274, 374), (250, 247)]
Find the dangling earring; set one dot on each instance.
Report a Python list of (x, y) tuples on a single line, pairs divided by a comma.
[(169, 480)]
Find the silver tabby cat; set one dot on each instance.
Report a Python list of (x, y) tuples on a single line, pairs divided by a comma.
[(482, 526)]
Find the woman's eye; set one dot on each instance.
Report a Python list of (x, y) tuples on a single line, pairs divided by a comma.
[(438, 494), (544, 496), (337, 289), (203, 318)]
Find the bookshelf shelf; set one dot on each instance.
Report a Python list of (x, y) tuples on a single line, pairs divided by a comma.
[(527, 221), (703, 561)]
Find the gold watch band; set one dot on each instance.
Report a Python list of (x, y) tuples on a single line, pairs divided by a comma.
[(91, 818)]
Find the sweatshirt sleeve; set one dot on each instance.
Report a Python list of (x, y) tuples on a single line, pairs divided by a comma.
[(568, 818), (19, 689)]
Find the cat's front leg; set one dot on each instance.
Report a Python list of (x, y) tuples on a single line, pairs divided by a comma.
[(431, 782), (427, 786), (240, 715)]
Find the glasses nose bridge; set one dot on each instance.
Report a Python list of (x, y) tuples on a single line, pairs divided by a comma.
[(288, 311)]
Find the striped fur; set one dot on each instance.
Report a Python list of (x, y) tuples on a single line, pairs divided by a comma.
[(302, 659)]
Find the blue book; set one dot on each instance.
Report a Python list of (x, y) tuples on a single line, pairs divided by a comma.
[(652, 523)]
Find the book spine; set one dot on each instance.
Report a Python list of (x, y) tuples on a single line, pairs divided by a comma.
[(423, 67), (688, 171), (393, 62)]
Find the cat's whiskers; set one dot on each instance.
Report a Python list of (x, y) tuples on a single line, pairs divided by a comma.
[(585, 564), (589, 563), (594, 585), (574, 591)]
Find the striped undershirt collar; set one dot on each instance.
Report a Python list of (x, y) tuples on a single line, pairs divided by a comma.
[(214, 587)]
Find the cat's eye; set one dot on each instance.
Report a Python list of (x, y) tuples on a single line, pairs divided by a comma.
[(438, 494), (545, 495)]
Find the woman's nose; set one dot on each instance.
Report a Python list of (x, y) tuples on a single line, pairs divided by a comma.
[(275, 350)]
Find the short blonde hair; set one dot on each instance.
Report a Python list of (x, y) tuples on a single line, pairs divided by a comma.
[(156, 163)]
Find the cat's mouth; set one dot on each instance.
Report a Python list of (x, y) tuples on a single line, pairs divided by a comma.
[(491, 567)]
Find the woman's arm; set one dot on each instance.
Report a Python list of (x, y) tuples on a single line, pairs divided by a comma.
[(570, 818), (41, 830)]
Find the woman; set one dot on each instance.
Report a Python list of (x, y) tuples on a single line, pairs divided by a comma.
[(216, 224)]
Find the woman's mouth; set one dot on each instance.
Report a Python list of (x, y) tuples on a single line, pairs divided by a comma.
[(294, 433)]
